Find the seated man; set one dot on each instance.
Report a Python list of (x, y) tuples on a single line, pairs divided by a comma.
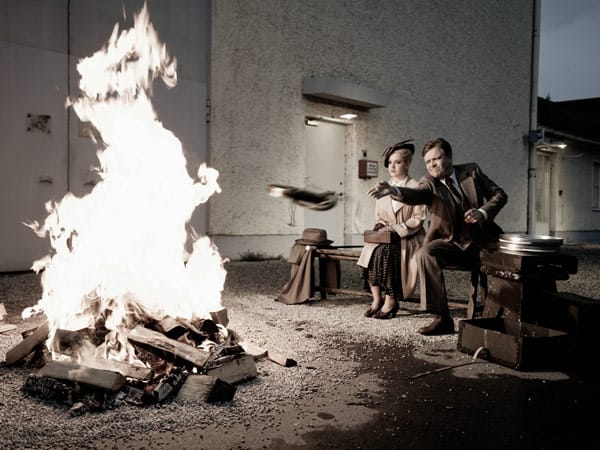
[(462, 201)]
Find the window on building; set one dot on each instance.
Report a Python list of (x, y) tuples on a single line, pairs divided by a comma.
[(596, 187)]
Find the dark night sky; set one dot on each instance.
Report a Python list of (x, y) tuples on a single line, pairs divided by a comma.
[(569, 49)]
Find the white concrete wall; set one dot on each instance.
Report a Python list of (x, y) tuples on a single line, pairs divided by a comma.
[(459, 69), (36, 37)]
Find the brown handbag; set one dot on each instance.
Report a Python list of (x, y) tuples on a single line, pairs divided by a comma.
[(381, 237)]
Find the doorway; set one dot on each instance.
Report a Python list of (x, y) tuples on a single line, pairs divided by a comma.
[(34, 148), (543, 182), (325, 168)]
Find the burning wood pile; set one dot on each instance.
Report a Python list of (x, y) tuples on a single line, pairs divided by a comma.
[(130, 289), (197, 360), (189, 361)]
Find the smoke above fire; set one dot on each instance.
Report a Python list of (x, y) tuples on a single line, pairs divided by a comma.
[(119, 253)]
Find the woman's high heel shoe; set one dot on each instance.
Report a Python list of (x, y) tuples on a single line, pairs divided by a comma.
[(371, 312), (387, 315)]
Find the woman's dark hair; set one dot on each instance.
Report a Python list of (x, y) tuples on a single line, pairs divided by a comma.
[(443, 144), (404, 145)]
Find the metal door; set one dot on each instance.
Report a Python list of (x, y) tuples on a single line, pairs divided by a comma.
[(325, 167), (33, 150)]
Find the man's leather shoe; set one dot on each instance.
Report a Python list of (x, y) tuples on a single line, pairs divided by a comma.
[(439, 325)]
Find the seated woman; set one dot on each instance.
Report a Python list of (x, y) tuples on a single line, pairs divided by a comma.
[(391, 269)]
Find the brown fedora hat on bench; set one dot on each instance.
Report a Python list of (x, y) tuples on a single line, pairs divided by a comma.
[(314, 236)]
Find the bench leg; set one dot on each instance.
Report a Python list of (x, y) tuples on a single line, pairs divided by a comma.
[(329, 275), (322, 272), (483, 292)]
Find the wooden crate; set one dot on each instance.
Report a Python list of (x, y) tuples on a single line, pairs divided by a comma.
[(514, 344)]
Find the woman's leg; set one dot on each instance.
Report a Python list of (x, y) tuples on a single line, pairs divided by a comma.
[(389, 309), (389, 304), (376, 302)]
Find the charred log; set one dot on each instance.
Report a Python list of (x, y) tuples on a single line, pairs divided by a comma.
[(47, 388), (103, 379)]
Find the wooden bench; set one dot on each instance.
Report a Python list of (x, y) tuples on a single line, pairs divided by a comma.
[(337, 254), (477, 289)]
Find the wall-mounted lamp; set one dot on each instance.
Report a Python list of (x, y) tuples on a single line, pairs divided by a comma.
[(551, 145), (348, 116)]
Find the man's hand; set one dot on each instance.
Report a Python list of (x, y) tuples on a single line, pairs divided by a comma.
[(473, 216), (381, 189)]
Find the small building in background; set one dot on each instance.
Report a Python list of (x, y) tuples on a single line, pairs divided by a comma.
[(568, 170)]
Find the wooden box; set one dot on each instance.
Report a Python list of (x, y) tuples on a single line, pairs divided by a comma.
[(556, 266), (381, 237), (514, 344)]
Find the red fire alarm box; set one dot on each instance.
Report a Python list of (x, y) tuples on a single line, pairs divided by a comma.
[(367, 169)]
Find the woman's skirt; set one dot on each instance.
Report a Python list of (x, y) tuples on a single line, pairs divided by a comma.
[(385, 270)]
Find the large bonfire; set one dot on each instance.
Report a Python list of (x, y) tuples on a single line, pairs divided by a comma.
[(119, 253)]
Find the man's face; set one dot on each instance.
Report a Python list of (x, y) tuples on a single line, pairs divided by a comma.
[(437, 163)]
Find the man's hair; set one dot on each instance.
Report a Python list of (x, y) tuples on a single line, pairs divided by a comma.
[(442, 143)]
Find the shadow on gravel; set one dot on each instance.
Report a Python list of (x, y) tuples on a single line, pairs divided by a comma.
[(445, 411)]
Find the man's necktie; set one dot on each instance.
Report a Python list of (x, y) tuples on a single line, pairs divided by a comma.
[(452, 188), (461, 234)]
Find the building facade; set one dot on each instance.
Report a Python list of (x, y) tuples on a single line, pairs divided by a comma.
[(461, 70), (41, 43), (262, 86)]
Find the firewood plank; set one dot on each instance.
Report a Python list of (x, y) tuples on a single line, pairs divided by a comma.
[(64, 370), (280, 359), (235, 370), (254, 350), (220, 317), (170, 327), (125, 369), (156, 340), (205, 388), (7, 327), (26, 346)]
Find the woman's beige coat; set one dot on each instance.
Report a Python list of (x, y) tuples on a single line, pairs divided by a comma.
[(408, 223)]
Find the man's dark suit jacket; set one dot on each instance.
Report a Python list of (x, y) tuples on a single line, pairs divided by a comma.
[(480, 192)]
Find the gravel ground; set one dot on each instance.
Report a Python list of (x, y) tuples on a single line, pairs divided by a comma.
[(350, 389)]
